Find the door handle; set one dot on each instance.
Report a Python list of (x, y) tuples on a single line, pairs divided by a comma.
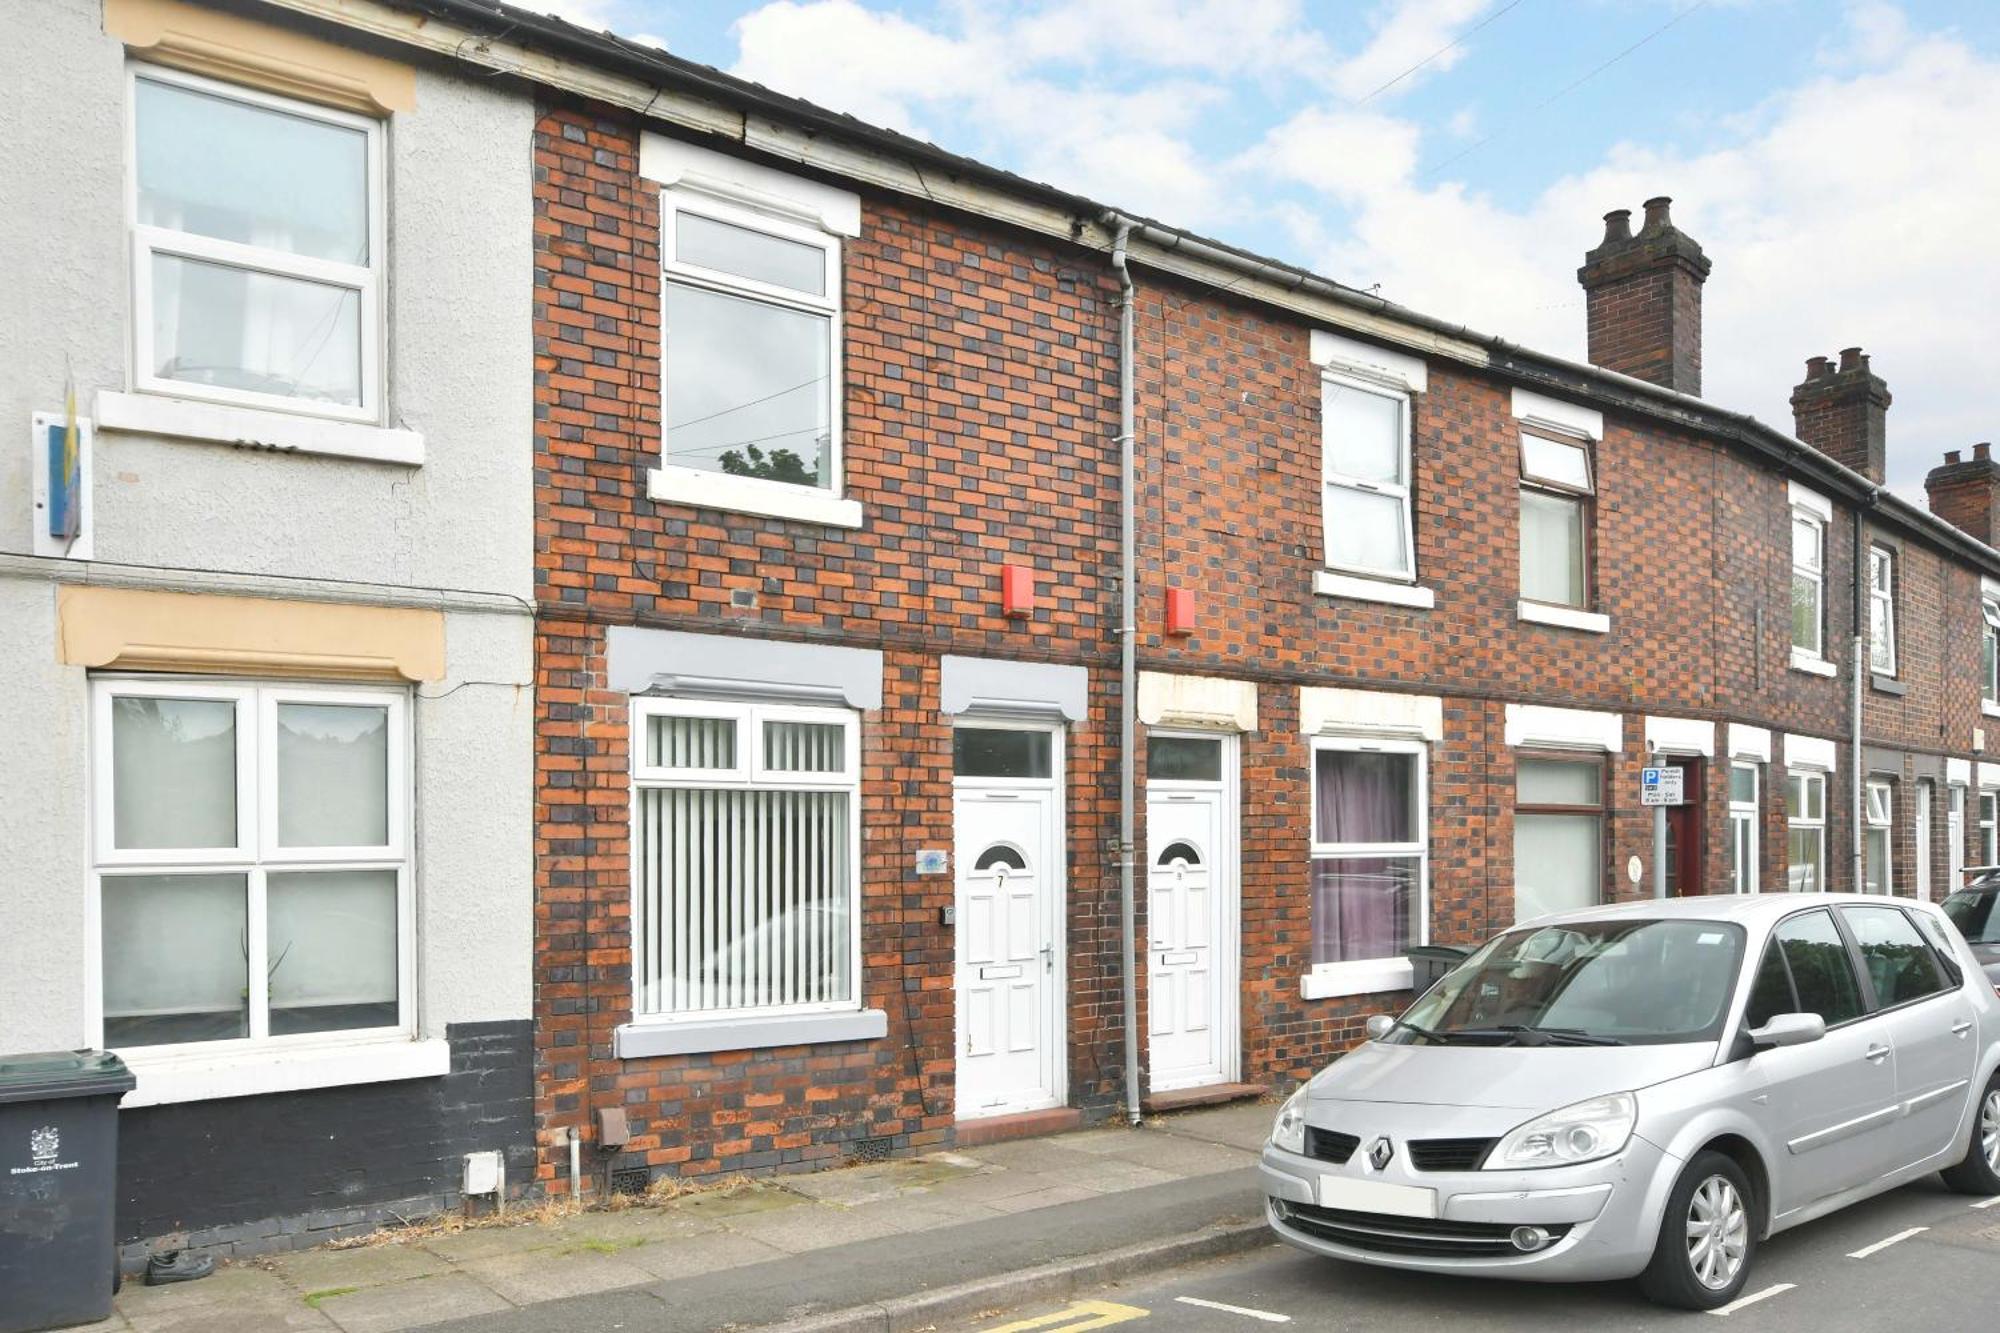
[(1961, 1027), (1048, 958), (1876, 1054)]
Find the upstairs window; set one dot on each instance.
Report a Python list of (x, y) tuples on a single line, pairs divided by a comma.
[(1365, 437), (1989, 650), (1557, 490), (1808, 583), (750, 329), (257, 248), (1881, 611)]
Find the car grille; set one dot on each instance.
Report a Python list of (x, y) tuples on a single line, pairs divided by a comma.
[(1448, 1154), (1330, 1145), (1383, 1233)]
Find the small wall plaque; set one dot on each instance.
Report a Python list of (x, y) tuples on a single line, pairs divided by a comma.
[(933, 861)]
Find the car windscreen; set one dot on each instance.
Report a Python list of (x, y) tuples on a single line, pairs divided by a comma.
[(1974, 916), (1611, 982)]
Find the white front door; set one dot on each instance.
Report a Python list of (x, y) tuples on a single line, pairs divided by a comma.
[(1190, 936), (1923, 832), (1009, 947)]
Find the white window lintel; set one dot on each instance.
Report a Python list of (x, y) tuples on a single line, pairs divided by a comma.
[(1333, 351), (1989, 776), (1811, 752), (1747, 742), (1958, 772), (1812, 502), (1327, 710), (1538, 726), (1532, 408), (1681, 735), (684, 166)]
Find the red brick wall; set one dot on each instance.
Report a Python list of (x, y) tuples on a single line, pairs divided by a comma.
[(980, 423)]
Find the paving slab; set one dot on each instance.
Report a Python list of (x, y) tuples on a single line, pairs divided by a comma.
[(696, 1255), (889, 1180), (1244, 1125), (256, 1316), (1114, 1173), (229, 1285), (462, 1247), (1043, 1198), (356, 1266), (796, 1230), (411, 1304), (928, 1212), (544, 1275)]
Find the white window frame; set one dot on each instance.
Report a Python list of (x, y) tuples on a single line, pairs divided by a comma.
[(1745, 821), (1362, 976), (1989, 827), (1585, 498), (1989, 645), (750, 773), (365, 280), (1813, 778), (676, 484), (1335, 382), (256, 821), (1880, 820), (1882, 611), (1807, 657)]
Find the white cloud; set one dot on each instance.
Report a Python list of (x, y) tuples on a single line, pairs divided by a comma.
[(1852, 210), (1407, 32)]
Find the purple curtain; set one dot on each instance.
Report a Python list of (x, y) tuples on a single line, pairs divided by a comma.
[(1361, 908)]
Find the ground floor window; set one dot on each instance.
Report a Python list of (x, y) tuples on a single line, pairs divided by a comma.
[(1743, 820), (1989, 828), (250, 854), (1878, 876), (1558, 835), (745, 871), (1805, 832), (1370, 846)]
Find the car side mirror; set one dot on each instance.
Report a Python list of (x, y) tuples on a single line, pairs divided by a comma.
[(1380, 1026), (1789, 1030)]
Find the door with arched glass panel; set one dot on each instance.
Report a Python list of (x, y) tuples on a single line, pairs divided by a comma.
[(1190, 911)]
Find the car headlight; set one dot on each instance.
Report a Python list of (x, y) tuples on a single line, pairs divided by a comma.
[(1289, 1132), (1580, 1133)]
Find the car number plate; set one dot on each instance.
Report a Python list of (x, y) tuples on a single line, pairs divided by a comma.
[(1376, 1196)]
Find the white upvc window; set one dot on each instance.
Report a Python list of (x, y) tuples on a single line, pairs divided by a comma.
[(1877, 832), (1808, 584), (1365, 453), (1989, 828), (1558, 833), (1805, 829), (1744, 822), (1989, 650), (750, 345), (1557, 489), (1881, 611), (1370, 850), (745, 859), (250, 849), (257, 248)]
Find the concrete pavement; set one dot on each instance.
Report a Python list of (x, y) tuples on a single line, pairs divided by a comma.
[(777, 1250)]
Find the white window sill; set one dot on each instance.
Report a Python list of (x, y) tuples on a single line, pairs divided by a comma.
[(750, 495), (1329, 584), (196, 1076), (255, 428), (1987, 708), (1568, 617), (636, 1041), (1373, 976), (1817, 666)]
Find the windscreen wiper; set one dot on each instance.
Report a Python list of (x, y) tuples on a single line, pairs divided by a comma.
[(1559, 1036)]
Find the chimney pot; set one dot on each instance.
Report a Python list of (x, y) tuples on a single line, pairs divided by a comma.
[(1852, 359), (1818, 367), (1951, 457), (1657, 218), (1982, 451), (1618, 225)]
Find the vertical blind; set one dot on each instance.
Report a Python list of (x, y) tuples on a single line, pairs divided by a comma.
[(745, 890)]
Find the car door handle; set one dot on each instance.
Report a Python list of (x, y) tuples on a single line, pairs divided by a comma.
[(1961, 1027), (1876, 1054)]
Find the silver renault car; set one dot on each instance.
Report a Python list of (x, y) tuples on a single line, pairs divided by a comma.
[(1648, 1090)]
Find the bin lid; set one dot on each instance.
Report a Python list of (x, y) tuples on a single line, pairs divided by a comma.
[(1438, 952), (47, 1075)]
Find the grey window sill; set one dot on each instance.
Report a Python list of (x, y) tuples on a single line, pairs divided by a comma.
[(1888, 685), (635, 1041)]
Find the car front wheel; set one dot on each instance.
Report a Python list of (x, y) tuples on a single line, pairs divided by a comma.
[(1979, 1172), (1707, 1237)]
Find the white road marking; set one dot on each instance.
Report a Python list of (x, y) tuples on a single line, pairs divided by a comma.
[(1264, 1315), (1867, 1250), (1753, 1298), (1987, 1203)]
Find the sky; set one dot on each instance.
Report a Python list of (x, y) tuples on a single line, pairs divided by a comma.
[(1836, 159)]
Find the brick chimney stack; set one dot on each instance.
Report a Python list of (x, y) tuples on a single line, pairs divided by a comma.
[(1965, 493), (1643, 299), (1843, 411)]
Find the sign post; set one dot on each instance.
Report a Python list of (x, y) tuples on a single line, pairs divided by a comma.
[(1660, 787)]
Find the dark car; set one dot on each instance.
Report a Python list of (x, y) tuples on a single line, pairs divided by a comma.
[(1975, 910)]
